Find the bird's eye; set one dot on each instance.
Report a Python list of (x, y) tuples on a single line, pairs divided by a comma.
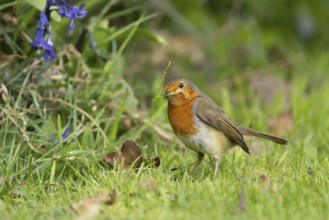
[(181, 85)]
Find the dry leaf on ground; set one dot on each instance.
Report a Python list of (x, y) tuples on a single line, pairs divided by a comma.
[(265, 181), (150, 185), (129, 155), (155, 161), (88, 208)]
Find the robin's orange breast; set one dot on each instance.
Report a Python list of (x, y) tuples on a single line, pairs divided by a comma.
[(181, 119)]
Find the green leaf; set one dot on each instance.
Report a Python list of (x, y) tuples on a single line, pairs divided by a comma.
[(38, 4), (56, 17), (149, 35), (52, 173), (115, 125), (7, 5), (132, 26)]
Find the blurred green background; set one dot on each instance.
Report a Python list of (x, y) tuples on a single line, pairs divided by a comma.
[(207, 41)]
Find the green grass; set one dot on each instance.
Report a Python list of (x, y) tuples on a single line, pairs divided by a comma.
[(297, 194), (109, 102)]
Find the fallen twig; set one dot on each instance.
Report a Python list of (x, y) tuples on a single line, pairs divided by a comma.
[(24, 134)]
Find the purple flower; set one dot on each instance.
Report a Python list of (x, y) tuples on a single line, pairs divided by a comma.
[(43, 22), (71, 12), (64, 10), (39, 41), (49, 55), (51, 3), (66, 131), (64, 135)]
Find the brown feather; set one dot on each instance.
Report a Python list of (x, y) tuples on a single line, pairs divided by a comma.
[(250, 132), (210, 113)]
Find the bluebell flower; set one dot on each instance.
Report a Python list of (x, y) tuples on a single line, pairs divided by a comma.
[(71, 12), (39, 41), (64, 135), (43, 22), (66, 131), (64, 10), (49, 55), (51, 3)]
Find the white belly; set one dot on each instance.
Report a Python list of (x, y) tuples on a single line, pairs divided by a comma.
[(209, 141)]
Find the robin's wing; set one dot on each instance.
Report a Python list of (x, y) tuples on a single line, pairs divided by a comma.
[(211, 114)]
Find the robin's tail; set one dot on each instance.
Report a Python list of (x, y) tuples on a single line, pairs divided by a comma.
[(250, 132)]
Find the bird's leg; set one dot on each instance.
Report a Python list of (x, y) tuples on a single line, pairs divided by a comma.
[(200, 158), (217, 161)]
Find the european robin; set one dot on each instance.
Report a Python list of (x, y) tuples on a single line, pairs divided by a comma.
[(202, 125)]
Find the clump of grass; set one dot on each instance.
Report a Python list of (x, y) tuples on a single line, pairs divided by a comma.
[(160, 92)]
